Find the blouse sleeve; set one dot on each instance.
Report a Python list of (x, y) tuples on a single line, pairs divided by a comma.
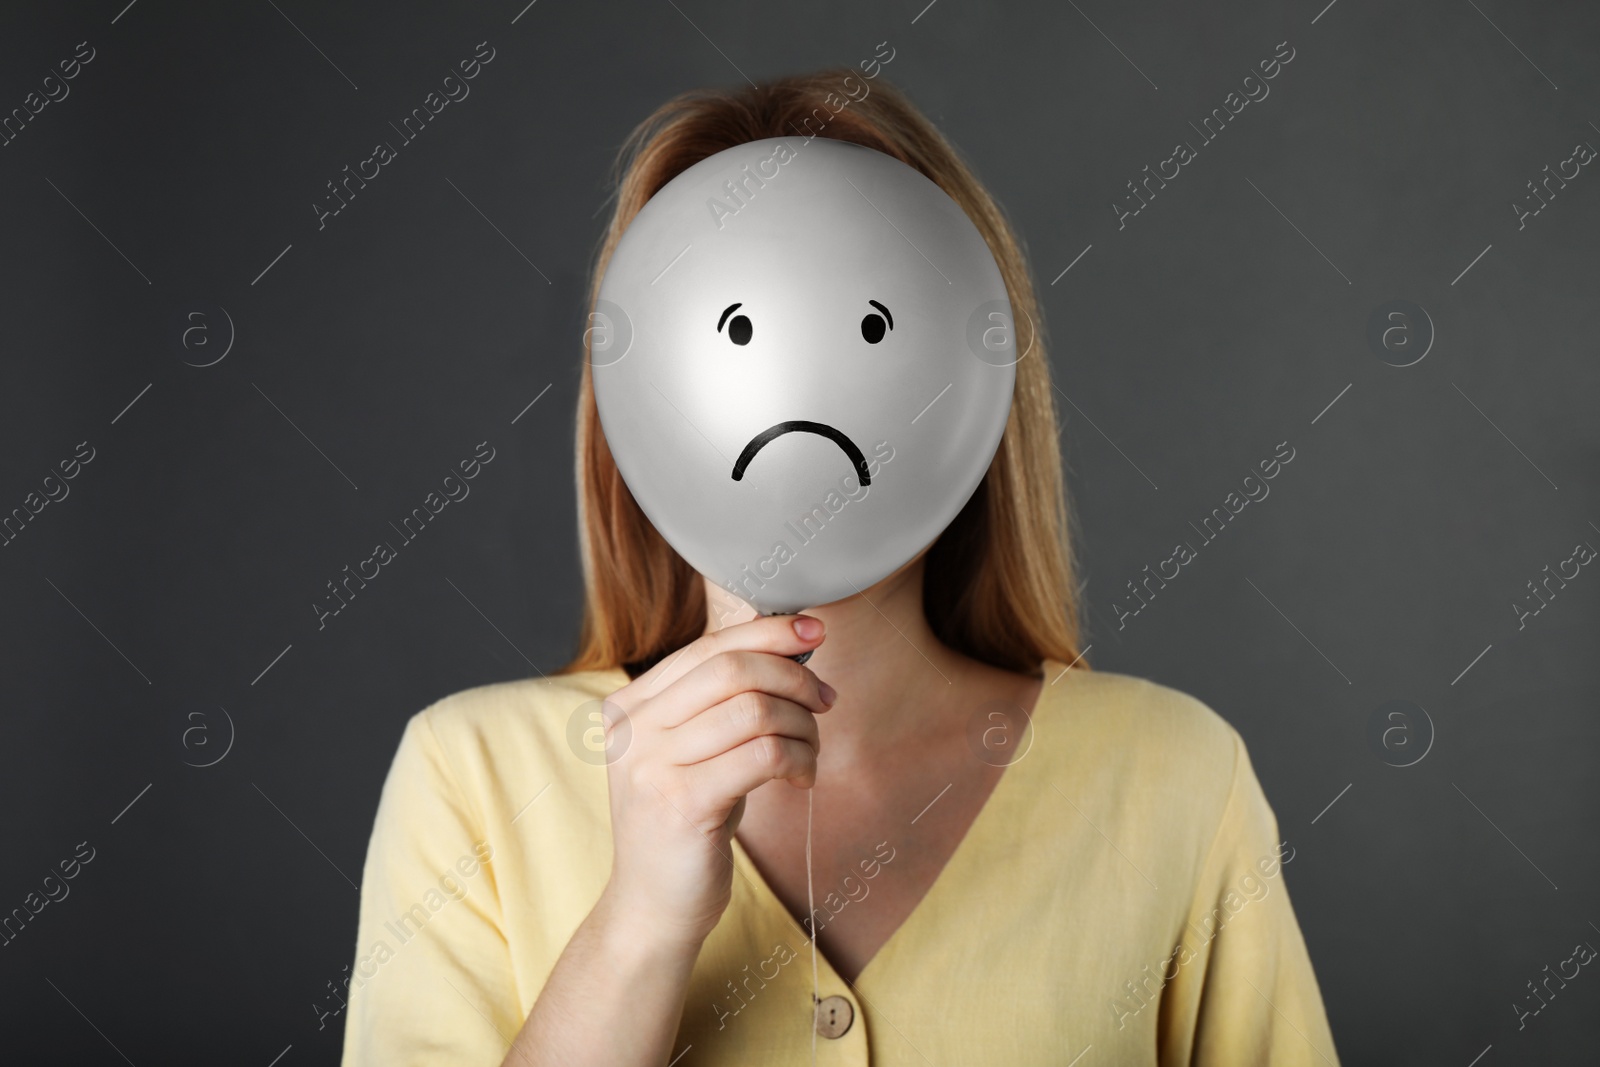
[(432, 980), (1244, 992)]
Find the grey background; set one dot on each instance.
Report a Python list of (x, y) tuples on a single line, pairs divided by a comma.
[(1225, 318)]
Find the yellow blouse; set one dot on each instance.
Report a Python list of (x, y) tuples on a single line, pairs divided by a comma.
[(1118, 900)]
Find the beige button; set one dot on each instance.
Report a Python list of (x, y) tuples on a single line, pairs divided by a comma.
[(834, 1016)]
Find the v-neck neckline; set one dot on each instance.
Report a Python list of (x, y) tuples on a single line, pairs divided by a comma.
[(1000, 795)]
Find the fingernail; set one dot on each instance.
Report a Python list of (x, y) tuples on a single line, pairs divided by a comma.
[(808, 628), (829, 694)]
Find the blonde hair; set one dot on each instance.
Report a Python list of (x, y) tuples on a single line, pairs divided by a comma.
[(999, 582)]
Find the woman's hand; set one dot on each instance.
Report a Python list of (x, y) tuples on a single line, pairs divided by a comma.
[(705, 726)]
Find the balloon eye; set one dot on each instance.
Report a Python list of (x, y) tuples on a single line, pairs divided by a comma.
[(739, 328), (873, 326)]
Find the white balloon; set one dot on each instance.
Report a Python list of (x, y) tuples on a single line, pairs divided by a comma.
[(803, 357)]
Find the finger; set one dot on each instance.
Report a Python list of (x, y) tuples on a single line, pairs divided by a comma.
[(767, 758), (738, 719), (785, 635), (728, 674)]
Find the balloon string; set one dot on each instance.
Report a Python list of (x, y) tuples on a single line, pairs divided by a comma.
[(811, 922)]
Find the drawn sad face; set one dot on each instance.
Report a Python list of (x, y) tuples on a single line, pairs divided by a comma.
[(803, 359)]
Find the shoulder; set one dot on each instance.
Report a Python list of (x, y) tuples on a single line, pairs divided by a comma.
[(519, 705), (1142, 721), (1157, 770), (494, 740), (1150, 745)]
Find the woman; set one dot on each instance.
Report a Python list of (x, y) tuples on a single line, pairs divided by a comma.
[(1015, 859)]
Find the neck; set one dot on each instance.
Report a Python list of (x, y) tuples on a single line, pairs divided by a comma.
[(894, 677)]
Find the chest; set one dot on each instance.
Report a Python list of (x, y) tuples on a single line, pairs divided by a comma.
[(1019, 950), (878, 846)]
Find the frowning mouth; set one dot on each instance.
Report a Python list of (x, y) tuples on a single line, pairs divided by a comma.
[(822, 429)]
